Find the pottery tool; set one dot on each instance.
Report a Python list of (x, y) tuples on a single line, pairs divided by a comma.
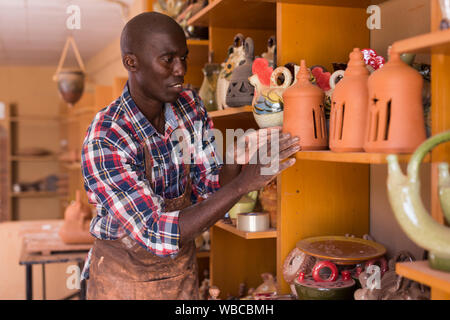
[(253, 221)]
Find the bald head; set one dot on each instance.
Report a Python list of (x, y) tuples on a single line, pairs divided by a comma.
[(140, 29)]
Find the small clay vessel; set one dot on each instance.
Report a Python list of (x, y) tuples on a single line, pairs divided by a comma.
[(349, 107), (240, 91), (304, 114), (77, 219), (207, 91), (395, 120), (70, 85)]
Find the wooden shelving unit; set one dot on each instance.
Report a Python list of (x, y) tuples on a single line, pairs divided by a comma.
[(34, 194), (437, 42), (351, 157), (34, 158), (420, 271), (269, 234), (230, 111)]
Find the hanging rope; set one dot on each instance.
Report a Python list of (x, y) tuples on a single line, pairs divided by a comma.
[(70, 41)]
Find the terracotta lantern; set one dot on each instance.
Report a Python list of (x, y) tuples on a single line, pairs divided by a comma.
[(304, 114), (395, 120), (349, 107)]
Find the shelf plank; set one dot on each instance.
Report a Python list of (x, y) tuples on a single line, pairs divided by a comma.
[(433, 42), (272, 233), (202, 254), (351, 157), (35, 118), (331, 3), (224, 14), (230, 111), (34, 194), (421, 272), (34, 158)]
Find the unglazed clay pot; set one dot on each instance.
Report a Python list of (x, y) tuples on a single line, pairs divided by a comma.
[(236, 55), (240, 91), (70, 85), (77, 219), (349, 107), (408, 208), (395, 121), (304, 114)]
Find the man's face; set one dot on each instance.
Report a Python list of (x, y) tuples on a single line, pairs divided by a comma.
[(162, 66)]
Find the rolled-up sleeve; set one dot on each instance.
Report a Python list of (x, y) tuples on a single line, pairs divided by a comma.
[(111, 180)]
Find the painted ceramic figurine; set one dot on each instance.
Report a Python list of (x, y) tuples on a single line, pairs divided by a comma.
[(395, 122), (268, 102), (240, 91), (236, 55), (408, 208)]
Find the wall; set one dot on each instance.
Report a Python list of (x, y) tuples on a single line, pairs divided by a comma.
[(400, 19)]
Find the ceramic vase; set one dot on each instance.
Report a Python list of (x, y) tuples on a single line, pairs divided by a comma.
[(207, 90), (349, 107), (304, 114), (240, 92), (395, 119), (70, 85), (271, 54), (236, 55)]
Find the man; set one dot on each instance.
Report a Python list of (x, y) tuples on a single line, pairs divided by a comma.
[(147, 200)]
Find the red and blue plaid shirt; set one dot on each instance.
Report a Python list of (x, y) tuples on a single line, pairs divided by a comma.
[(113, 165)]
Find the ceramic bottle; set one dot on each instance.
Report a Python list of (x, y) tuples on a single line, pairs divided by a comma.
[(304, 114), (207, 90), (349, 107), (395, 118), (240, 92)]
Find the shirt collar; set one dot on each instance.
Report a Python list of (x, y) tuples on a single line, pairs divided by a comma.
[(142, 126)]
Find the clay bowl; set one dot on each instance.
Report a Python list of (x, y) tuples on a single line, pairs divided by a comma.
[(70, 85), (308, 289)]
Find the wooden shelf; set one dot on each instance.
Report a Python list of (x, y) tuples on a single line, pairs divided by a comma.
[(197, 42), (272, 233), (202, 254), (34, 158), (433, 42), (34, 194), (35, 119), (236, 14), (71, 165), (331, 3), (421, 272), (230, 111), (351, 157)]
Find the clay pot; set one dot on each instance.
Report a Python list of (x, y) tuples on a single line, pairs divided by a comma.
[(304, 114), (395, 121), (70, 85), (207, 91), (77, 219), (349, 107), (240, 91)]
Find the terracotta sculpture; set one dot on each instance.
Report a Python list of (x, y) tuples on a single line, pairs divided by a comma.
[(408, 208), (395, 122), (77, 219), (236, 55), (240, 92), (349, 107), (304, 114)]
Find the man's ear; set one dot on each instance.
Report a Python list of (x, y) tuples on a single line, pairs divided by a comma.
[(130, 62)]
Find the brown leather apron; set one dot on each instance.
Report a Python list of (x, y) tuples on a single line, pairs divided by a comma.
[(123, 270)]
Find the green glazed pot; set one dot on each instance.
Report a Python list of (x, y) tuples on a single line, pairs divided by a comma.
[(338, 290)]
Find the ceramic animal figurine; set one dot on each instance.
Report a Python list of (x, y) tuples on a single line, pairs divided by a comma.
[(304, 114), (349, 107), (236, 55), (271, 54), (240, 91), (395, 123), (268, 102), (77, 219), (207, 90), (408, 208)]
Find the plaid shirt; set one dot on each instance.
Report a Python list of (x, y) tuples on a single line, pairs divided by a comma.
[(114, 170)]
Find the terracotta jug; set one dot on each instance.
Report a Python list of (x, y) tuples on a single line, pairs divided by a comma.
[(304, 114), (395, 121), (409, 210), (240, 91), (349, 107), (77, 219)]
